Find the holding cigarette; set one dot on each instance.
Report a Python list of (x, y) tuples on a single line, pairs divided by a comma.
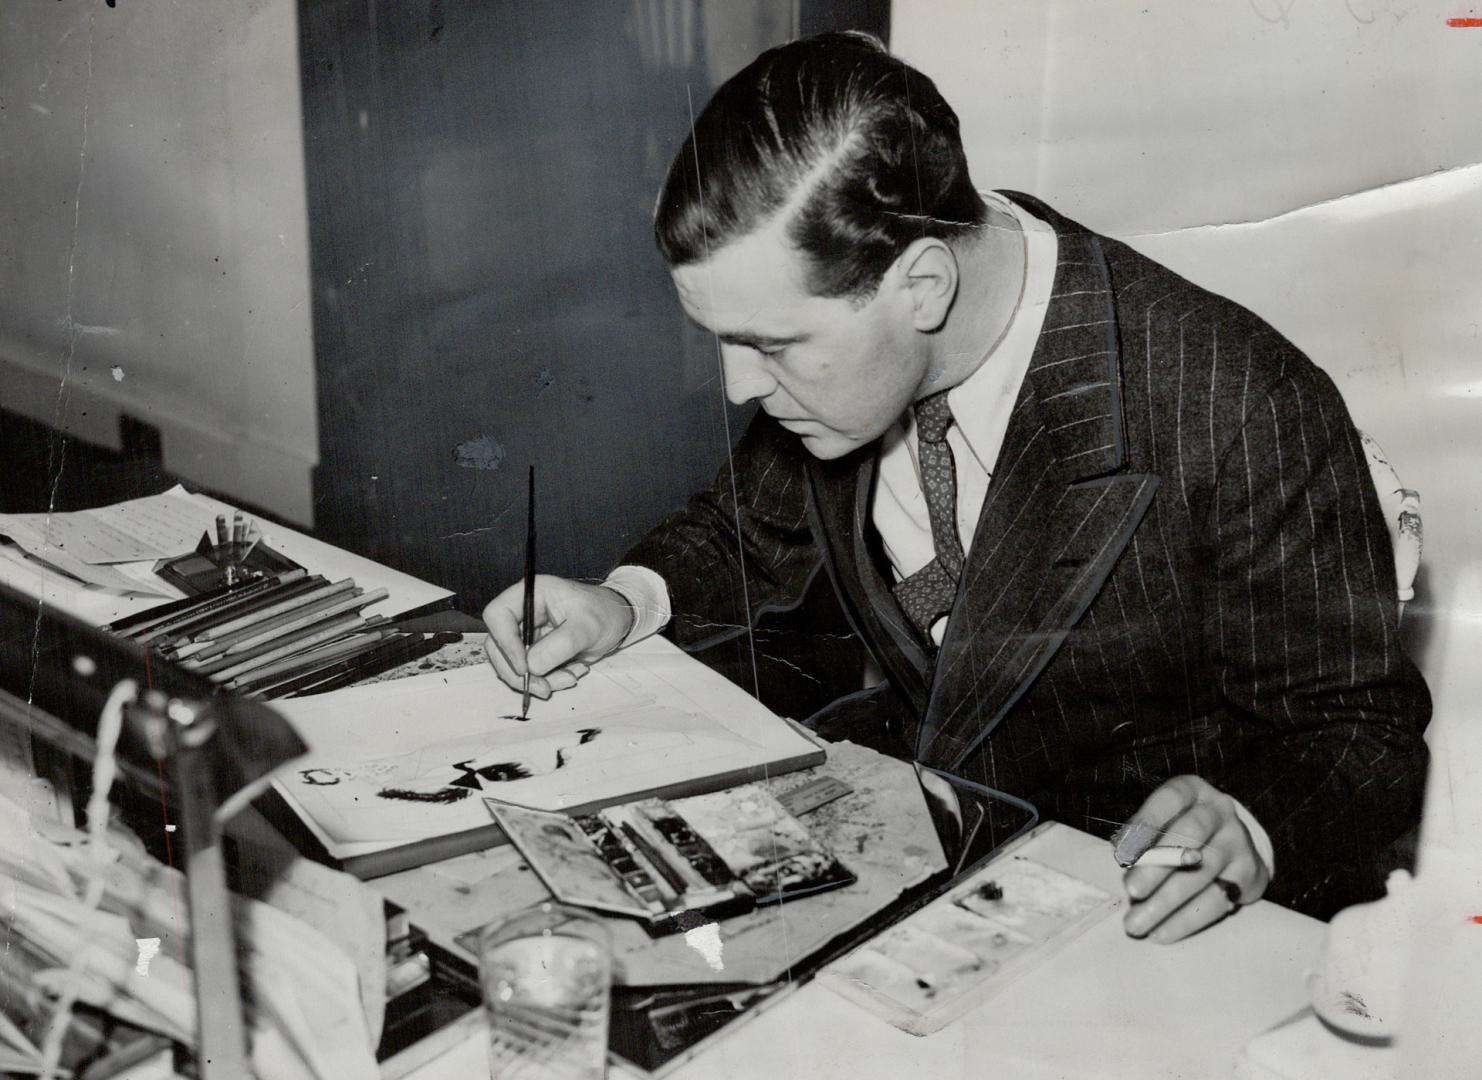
[(1184, 858)]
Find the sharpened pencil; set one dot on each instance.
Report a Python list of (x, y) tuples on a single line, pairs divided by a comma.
[(262, 633), (181, 631), (335, 628), (161, 622), (316, 666), (278, 628), (324, 655), (277, 609)]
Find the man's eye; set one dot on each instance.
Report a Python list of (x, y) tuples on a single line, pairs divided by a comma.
[(771, 352)]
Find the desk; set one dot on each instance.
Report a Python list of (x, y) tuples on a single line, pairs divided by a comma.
[(1105, 1006)]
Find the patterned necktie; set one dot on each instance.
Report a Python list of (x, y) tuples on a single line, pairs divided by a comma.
[(927, 594)]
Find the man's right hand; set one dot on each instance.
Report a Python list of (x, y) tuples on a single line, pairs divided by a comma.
[(575, 626)]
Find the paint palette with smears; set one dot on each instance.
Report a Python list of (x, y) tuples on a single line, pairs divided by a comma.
[(960, 949), (674, 864)]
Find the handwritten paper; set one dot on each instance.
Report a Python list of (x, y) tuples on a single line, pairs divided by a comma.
[(156, 527)]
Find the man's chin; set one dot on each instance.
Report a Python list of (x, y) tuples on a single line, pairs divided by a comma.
[(828, 446)]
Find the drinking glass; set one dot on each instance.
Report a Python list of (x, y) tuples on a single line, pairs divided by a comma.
[(547, 974)]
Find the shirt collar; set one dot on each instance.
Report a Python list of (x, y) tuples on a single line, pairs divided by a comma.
[(982, 403)]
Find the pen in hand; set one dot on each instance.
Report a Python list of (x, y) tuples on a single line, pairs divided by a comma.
[(527, 626)]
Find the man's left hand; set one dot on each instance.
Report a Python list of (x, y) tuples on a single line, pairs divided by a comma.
[(1169, 904)]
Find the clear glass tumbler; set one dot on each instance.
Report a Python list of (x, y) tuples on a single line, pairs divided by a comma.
[(547, 975)]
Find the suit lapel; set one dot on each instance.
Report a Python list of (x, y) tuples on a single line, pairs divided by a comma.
[(1057, 515), (842, 493)]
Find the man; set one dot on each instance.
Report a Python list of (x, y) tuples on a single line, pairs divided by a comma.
[(1110, 538)]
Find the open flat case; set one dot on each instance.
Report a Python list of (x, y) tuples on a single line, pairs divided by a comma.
[(656, 1028)]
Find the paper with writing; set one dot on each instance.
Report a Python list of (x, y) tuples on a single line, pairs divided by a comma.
[(155, 527)]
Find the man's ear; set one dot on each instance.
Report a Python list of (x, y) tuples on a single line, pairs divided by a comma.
[(929, 274)]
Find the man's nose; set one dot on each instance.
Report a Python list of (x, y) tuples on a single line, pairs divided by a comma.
[(745, 377)]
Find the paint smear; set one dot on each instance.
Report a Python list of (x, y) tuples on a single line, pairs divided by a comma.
[(149, 948), (441, 795), (1476, 919), (484, 453), (705, 940), (1462, 23)]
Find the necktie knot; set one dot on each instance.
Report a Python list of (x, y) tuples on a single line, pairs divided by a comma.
[(933, 417)]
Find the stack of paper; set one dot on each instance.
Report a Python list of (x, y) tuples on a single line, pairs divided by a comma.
[(98, 565)]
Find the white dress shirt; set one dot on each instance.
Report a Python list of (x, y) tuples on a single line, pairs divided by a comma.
[(981, 405)]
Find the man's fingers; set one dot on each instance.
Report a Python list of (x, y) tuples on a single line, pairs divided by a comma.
[(1207, 907), (1174, 889), (502, 668), (1191, 829), (515, 680), (1144, 828), (575, 624), (1176, 905), (559, 647), (503, 621), (564, 677), (1245, 878)]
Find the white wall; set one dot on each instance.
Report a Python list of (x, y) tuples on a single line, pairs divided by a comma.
[(153, 234), (1313, 159)]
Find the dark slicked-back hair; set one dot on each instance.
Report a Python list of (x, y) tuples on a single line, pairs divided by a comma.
[(860, 147)]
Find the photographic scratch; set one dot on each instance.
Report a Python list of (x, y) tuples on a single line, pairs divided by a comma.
[(482, 528), (791, 666), (57, 462)]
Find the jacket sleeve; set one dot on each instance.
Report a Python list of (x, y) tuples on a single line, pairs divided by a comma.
[(1303, 630), (741, 548)]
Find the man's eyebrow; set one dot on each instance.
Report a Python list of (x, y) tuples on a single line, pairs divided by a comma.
[(757, 341)]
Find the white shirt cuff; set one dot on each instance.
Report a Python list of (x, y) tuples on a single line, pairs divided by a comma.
[(647, 595), (1258, 838)]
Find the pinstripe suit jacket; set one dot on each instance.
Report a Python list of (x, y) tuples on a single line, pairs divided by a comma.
[(1180, 567)]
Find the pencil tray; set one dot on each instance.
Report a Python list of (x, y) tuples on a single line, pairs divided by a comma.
[(195, 573)]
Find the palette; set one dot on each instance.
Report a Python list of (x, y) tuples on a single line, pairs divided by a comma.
[(966, 945), (674, 864)]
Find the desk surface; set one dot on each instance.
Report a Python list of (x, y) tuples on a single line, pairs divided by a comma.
[(1105, 1006)]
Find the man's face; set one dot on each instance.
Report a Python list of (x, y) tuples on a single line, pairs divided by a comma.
[(835, 372)]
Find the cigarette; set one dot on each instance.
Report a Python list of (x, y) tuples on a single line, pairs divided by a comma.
[(1168, 855)]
